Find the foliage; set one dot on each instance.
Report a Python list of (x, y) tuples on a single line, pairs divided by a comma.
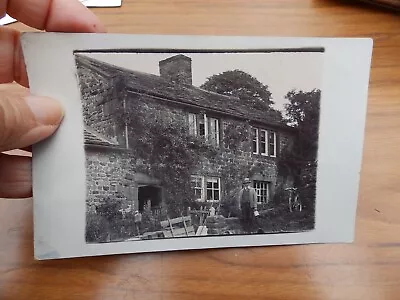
[(235, 134), (96, 228), (109, 209), (244, 86), (105, 223), (230, 208), (165, 150), (300, 161), (149, 221)]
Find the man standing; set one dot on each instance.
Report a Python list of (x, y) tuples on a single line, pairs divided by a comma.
[(248, 205), (137, 217)]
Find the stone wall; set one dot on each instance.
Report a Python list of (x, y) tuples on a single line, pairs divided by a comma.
[(108, 176), (111, 173), (234, 159), (102, 103)]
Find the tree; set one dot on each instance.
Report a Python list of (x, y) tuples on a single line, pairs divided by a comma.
[(300, 160), (242, 85), (303, 113)]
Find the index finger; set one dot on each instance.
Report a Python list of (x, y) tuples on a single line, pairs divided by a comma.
[(54, 15)]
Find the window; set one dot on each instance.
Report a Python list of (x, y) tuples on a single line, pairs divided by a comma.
[(264, 142), (212, 189), (255, 141), (213, 131), (206, 188), (197, 184), (204, 126), (192, 124), (262, 189), (272, 144)]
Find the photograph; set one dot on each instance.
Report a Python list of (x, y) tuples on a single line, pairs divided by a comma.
[(174, 143), (194, 144)]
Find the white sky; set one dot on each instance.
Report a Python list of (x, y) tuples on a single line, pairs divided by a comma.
[(282, 72)]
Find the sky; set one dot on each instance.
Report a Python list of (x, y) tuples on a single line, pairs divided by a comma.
[(281, 72)]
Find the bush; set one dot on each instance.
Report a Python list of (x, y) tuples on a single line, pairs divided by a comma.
[(230, 208), (149, 222), (97, 228), (107, 224)]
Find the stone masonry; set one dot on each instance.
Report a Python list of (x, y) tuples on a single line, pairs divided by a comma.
[(110, 172)]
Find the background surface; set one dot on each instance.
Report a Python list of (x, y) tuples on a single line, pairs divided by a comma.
[(366, 269)]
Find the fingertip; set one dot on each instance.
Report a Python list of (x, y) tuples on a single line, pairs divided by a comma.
[(47, 111), (72, 16)]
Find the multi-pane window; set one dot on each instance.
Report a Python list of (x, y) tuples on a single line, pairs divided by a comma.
[(262, 190), (202, 127), (264, 142), (272, 144), (213, 131), (197, 184), (205, 127), (255, 141), (212, 189), (206, 188), (192, 124)]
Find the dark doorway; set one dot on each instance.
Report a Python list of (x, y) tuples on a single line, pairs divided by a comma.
[(149, 195)]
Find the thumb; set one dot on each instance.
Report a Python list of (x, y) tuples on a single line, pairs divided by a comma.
[(27, 120)]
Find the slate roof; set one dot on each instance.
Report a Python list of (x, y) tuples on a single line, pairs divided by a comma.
[(92, 137), (156, 86)]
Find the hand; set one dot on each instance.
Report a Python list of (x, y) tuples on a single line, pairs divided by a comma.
[(27, 119)]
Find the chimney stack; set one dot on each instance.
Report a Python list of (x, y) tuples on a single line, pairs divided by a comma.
[(177, 69)]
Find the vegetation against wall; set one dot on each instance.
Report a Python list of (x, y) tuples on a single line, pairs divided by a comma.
[(300, 161), (163, 148)]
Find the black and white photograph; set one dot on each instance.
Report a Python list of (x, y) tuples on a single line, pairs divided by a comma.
[(172, 143), (194, 144)]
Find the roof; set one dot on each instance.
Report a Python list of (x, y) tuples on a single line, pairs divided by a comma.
[(92, 137), (156, 86)]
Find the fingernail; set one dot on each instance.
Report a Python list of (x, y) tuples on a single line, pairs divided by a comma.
[(47, 111)]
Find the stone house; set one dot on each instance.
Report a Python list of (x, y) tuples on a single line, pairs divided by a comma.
[(248, 141)]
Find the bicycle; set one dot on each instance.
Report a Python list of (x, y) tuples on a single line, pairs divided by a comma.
[(294, 201)]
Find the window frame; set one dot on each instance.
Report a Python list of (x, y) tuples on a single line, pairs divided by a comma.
[(216, 133), (275, 143), (256, 137), (193, 124), (201, 119), (266, 135), (196, 177), (204, 188), (259, 190), (210, 179)]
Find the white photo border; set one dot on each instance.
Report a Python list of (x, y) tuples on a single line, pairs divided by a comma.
[(59, 182)]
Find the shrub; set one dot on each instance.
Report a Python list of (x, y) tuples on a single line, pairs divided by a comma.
[(97, 228)]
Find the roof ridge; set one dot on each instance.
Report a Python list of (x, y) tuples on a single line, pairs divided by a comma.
[(155, 85)]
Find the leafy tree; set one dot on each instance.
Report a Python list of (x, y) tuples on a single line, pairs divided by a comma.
[(300, 160), (242, 85)]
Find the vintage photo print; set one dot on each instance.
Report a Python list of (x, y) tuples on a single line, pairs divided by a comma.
[(199, 144), (174, 143)]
